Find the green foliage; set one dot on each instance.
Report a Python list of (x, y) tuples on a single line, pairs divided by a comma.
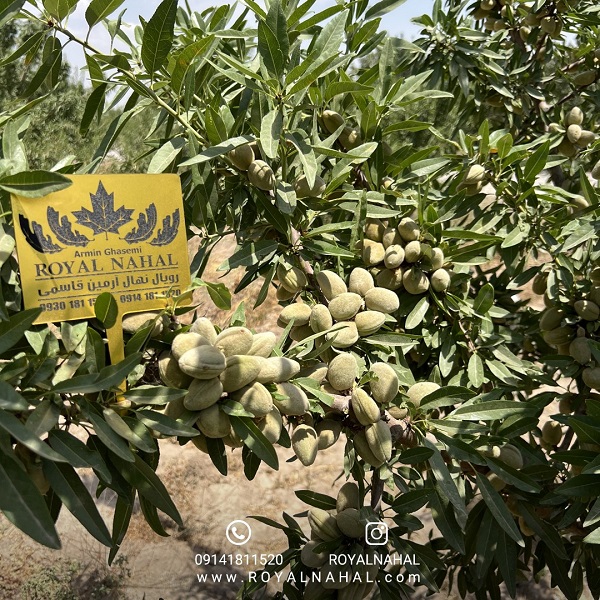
[(321, 143)]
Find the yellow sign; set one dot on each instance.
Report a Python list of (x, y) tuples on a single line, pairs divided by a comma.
[(123, 234)]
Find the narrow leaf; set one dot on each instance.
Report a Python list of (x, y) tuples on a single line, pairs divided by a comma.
[(158, 36), (74, 495), (23, 505), (499, 510), (99, 9), (251, 435), (34, 184)]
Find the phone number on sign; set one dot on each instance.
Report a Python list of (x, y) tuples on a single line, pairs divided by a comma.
[(239, 559)]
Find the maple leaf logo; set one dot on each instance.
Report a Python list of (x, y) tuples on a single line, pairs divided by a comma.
[(103, 218)]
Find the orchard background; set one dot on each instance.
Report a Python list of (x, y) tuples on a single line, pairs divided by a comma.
[(414, 223)]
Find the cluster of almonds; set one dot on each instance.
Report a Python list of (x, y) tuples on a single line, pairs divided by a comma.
[(567, 329), (354, 579), (495, 14), (307, 439), (371, 434), (399, 260), (505, 14), (352, 311), (261, 175), (349, 137), (575, 138), (509, 455), (234, 364)]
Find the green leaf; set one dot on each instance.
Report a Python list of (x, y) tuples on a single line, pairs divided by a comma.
[(490, 411), (251, 463), (593, 538), (106, 309), (484, 299), (94, 104), (8, 9), (421, 168), (74, 495), (444, 518), (390, 339), (158, 36), (100, 9), (382, 7), (504, 145), (34, 184), (231, 407), (417, 314), (445, 482), (273, 41), (10, 399), (559, 569), (271, 213), (409, 125), (506, 557), (580, 486), (142, 477), (475, 370), (583, 233), (536, 162), (24, 506), (485, 543), (218, 454), (543, 530), (33, 41), (270, 132), (412, 500), (315, 499), (458, 234), (121, 520), (44, 417), (128, 430), (218, 150), (251, 435), (251, 253), (593, 515), (414, 456), (512, 476), (49, 70), (307, 157), (106, 379), (188, 57), (151, 515), (327, 249), (460, 450), (60, 8), (499, 510), (219, 294), (109, 438), (320, 17), (77, 453), (337, 88), (166, 154), (164, 424), (154, 394), (14, 427), (587, 189)]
